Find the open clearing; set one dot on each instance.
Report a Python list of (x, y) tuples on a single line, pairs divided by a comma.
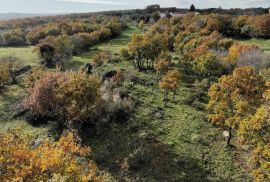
[(113, 45), (25, 54)]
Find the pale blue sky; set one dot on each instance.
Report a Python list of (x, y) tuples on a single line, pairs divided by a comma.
[(69, 6)]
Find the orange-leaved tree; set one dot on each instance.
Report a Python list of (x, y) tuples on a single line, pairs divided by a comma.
[(235, 97), (261, 26), (162, 64), (144, 49), (170, 83), (255, 132), (50, 161)]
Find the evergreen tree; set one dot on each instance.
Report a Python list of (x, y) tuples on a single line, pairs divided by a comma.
[(192, 8)]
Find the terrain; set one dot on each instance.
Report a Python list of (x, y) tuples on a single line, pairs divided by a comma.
[(186, 130), (180, 131)]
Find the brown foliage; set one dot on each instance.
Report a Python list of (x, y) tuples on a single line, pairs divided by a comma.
[(68, 95)]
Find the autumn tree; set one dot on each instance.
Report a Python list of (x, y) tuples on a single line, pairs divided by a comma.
[(162, 64), (265, 73), (83, 93), (63, 49), (15, 37), (42, 97), (144, 49), (55, 51), (216, 22), (261, 26), (255, 132), (67, 96), (170, 83), (115, 26), (261, 159), (49, 161), (239, 25), (235, 97), (46, 51), (208, 65), (141, 25), (40, 32)]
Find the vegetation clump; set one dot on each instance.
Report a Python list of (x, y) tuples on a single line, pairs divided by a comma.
[(55, 161), (72, 96)]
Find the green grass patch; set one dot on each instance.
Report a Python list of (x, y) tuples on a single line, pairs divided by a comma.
[(187, 133), (24, 128), (10, 97), (114, 45), (177, 142), (24, 54), (262, 43)]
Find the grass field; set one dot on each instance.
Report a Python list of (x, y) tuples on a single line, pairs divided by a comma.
[(24, 54), (262, 43), (199, 146)]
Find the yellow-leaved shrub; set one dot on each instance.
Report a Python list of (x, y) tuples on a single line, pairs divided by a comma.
[(63, 160)]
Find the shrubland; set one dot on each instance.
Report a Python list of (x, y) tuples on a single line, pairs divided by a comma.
[(237, 73), (118, 95), (58, 40), (106, 27), (74, 98)]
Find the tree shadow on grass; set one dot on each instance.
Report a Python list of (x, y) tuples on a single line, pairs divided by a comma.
[(75, 65), (147, 158), (9, 103)]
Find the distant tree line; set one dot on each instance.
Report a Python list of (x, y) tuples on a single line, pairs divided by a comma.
[(134, 14), (15, 28), (106, 26)]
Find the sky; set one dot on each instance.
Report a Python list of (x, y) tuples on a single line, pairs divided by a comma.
[(72, 6)]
